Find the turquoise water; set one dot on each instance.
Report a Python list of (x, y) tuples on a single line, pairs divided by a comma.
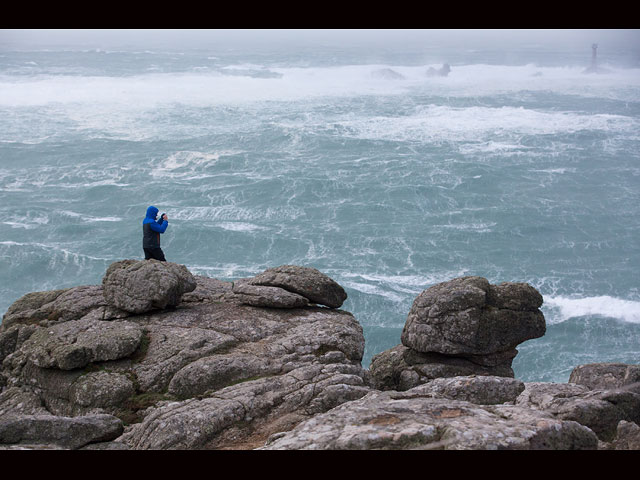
[(515, 167)]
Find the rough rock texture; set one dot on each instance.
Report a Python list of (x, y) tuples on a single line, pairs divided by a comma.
[(415, 420), (627, 437), (305, 281), (597, 376), (401, 368), (76, 343), (64, 432), (600, 410), (237, 371), (261, 296), (465, 326), (240, 362), (481, 390), (468, 316), (46, 308), (140, 286)]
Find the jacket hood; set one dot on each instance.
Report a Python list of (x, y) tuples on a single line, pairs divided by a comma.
[(152, 212)]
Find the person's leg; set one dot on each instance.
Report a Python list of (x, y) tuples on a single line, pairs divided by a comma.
[(147, 253), (158, 254)]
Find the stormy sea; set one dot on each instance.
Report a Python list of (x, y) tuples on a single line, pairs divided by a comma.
[(365, 163)]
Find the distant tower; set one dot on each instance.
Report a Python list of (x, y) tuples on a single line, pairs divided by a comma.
[(594, 49)]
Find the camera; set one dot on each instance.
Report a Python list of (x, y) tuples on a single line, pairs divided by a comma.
[(162, 215)]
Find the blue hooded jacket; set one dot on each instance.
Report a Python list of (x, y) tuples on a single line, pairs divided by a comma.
[(151, 229)]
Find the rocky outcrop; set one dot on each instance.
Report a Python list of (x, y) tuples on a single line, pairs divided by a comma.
[(263, 363), (600, 410), (140, 286), (416, 420), (461, 327), (226, 372)]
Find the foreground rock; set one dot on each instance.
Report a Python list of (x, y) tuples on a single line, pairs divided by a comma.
[(607, 376), (461, 327), (228, 365), (64, 432), (222, 373), (416, 420)]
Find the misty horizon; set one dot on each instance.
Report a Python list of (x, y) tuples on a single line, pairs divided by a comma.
[(260, 38)]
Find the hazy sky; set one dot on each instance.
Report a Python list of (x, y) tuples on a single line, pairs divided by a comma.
[(149, 38)]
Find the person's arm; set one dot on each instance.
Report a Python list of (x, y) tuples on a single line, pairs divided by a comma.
[(160, 226)]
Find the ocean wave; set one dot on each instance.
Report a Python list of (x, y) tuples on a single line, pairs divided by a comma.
[(565, 308), (294, 83)]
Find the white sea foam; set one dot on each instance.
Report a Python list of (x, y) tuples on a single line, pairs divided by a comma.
[(435, 123), (239, 226), (212, 88), (565, 308)]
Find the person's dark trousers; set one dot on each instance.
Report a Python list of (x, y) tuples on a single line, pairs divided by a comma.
[(156, 253)]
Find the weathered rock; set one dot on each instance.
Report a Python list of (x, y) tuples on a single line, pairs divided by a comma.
[(212, 422), (141, 286), (102, 389), (272, 297), (76, 343), (627, 436), (16, 402), (415, 420), (13, 337), (65, 432), (45, 308), (607, 376), (210, 290), (601, 411), (468, 316), (401, 368), (31, 308), (306, 281), (481, 390)]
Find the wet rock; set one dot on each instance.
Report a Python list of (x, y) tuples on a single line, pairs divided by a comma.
[(141, 286), (306, 281)]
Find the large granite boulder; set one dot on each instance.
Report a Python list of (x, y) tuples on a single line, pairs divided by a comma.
[(141, 286), (468, 316), (306, 281), (465, 326), (417, 420)]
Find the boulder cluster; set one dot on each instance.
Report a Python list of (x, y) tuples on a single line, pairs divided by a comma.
[(158, 358), (465, 326)]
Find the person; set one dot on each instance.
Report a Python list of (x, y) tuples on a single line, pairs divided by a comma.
[(151, 230)]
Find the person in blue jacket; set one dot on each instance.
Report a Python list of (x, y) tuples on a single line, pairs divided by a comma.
[(151, 230)]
